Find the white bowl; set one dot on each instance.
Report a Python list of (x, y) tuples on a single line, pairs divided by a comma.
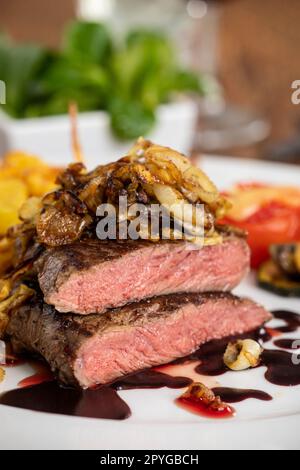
[(50, 137)]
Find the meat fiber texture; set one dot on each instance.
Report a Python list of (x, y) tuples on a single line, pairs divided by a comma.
[(94, 276), (99, 349)]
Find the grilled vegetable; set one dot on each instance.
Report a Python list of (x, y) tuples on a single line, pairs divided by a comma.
[(272, 278), (287, 257)]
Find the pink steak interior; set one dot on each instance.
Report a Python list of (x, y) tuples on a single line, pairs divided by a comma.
[(105, 357), (152, 271)]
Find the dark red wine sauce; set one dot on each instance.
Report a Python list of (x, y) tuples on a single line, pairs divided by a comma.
[(211, 354), (236, 395), (49, 397), (40, 392), (42, 374), (151, 379), (291, 319), (273, 333), (200, 408), (281, 368), (287, 343)]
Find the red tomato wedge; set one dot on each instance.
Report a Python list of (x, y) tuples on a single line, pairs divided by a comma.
[(268, 222)]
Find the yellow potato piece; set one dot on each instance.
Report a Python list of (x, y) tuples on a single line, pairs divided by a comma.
[(13, 193), (38, 185), (21, 176), (22, 161)]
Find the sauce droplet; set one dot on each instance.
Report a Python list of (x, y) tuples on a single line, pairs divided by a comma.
[(291, 319), (236, 395), (200, 408), (202, 400), (42, 374), (287, 343), (151, 379), (35, 379), (281, 368), (49, 397)]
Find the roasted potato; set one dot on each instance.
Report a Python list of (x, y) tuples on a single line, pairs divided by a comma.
[(22, 176), (13, 193)]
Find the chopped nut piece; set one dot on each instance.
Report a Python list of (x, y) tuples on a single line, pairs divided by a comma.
[(199, 392), (242, 355), (2, 374)]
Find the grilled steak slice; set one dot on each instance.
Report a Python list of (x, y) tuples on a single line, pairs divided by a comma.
[(94, 276), (98, 349)]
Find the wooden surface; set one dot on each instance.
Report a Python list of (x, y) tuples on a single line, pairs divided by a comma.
[(259, 58), (36, 20)]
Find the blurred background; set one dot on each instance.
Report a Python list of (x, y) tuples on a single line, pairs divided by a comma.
[(246, 50)]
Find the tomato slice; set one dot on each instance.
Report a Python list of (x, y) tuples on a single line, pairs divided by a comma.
[(273, 223)]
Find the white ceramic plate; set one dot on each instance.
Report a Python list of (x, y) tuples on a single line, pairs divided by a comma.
[(156, 423)]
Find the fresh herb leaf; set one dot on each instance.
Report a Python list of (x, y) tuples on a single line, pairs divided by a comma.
[(130, 120), (87, 42), (185, 80), (21, 70)]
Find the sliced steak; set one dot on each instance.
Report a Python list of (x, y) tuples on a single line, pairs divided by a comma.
[(98, 349), (93, 276)]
